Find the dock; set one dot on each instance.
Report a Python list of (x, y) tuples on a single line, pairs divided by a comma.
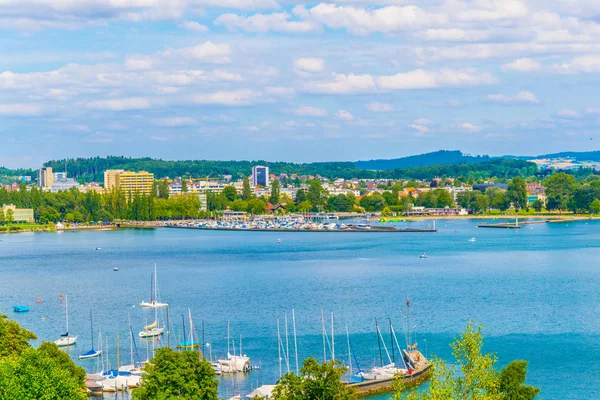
[(372, 229)]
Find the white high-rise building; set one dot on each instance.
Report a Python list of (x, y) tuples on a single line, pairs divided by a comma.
[(260, 176)]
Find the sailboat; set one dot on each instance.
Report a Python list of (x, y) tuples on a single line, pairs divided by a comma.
[(91, 353), (154, 301), (66, 340), (131, 368), (234, 363), (193, 342)]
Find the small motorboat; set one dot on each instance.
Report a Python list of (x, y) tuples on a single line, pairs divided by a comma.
[(472, 239), (98, 248), (115, 268), (20, 308), (278, 240), (424, 255)]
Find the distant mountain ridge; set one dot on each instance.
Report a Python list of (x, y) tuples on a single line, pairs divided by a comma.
[(441, 157)]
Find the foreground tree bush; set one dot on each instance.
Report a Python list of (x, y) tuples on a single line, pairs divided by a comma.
[(14, 339), (173, 375), (472, 377), (317, 381)]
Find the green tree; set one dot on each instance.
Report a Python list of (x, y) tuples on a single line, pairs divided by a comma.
[(257, 206), (229, 193), (537, 205), (517, 193), (38, 374), (315, 194), (316, 380), (163, 189), (472, 377), (559, 190), (512, 382), (1, 216), (173, 375), (595, 206), (274, 198), (239, 205), (184, 185), (9, 217), (305, 206), (246, 191), (14, 339), (300, 196)]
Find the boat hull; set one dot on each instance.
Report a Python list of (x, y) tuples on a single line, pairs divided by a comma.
[(66, 341), (84, 356), (145, 304), (151, 333)]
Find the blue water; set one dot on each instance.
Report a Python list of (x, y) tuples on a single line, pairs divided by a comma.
[(535, 291)]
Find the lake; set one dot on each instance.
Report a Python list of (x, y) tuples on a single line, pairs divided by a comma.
[(535, 290)]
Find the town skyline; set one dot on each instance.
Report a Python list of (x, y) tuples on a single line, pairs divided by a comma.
[(197, 79)]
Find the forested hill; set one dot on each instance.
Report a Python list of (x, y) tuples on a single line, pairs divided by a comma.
[(442, 157), (92, 169), (578, 155)]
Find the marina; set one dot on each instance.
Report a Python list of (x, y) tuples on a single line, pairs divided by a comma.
[(251, 280)]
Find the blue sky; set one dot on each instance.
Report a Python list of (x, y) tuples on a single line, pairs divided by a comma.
[(293, 80)]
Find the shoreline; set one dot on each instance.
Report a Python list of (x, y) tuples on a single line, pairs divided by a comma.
[(550, 218)]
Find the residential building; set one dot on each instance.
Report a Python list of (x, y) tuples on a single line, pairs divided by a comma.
[(260, 176), (535, 189), (45, 177), (111, 178), (63, 184), (129, 182), (482, 187), (19, 214)]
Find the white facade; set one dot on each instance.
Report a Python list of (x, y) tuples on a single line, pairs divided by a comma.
[(260, 176)]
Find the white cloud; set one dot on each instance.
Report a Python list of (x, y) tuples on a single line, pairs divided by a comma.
[(422, 121), (345, 84), (585, 64), (566, 113), (124, 104), (276, 22), (20, 110), (380, 107), (71, 14), (491, 10), (194, 26), (309, 65), (522, 65), (280, 91), (139, 62), (453, 35), (344, 115), (363, 21), (238, 97), (174, 121), (420, 128), (310, 111), (523, 97), (207, 52), (422, 79), (470, 127)]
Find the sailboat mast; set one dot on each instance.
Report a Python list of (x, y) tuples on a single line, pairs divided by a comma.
[(279, 348), (295, 341), (323, 334), (228, 339), (379, 342), (91, 330), (67, 313), (118, 353), (392, 341), (287, 344), (332, 340), (130, 341), (349, 351)]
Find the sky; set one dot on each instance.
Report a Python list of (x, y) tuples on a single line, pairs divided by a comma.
[(288, 80)]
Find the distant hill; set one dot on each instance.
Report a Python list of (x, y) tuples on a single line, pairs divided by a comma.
[(442, 157), (578, 155)]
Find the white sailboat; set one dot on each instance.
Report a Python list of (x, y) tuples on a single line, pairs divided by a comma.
[(234, 363), (91, 353), (154, 300), (66, 340)]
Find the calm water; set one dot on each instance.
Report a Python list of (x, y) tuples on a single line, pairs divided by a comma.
[(536, 291)]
